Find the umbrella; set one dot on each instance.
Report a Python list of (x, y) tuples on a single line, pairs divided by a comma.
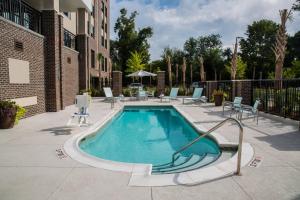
[(141, 74)]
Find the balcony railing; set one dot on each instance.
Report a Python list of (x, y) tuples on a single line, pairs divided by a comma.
[(21, 13), (69, 39)]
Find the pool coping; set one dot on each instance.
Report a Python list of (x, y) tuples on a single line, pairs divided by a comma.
[(141, 173)]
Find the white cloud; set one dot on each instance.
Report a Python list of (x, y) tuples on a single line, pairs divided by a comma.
[(192, 18)]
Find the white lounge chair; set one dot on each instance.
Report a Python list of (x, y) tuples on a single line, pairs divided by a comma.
[(82, 102), (196, 96), (173, 95), (109, 95)]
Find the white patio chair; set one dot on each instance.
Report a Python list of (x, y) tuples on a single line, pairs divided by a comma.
[(82, 102)]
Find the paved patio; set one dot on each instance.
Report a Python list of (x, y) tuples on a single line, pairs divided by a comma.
[(30, 168)]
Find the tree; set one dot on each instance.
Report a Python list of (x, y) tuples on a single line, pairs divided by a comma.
[(279, 48), (210, 48), (129, 40), (296, 5), (256, 48), (135, 62), (240, 68)]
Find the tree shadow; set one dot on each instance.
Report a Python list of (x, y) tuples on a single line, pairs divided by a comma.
[(60, 130)]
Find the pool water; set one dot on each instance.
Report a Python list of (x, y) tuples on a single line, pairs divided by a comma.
[(147, 135)]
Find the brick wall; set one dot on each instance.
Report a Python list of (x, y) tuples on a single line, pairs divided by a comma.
[(117, 83), (81, 42), (70, 76), (161, 82), (33, 52), (52, 30)]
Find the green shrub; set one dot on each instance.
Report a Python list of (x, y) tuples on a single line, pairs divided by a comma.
[(11, 104)]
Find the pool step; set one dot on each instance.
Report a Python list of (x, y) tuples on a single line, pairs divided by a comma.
[(185, 164)]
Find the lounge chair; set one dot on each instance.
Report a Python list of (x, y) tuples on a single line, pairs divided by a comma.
[(196, 96), (250, 110), (173, 95), (82, 102), (234, 106), (109, 95)]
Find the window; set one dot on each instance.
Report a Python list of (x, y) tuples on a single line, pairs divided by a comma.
[(93, 11), (106, 64), (67, 14), (102, 7), (102, 65), (102, 41), (105, 11), (92, 58)]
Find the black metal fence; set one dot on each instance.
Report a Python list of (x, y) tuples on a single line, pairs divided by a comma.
[(21, 13), (278, 97), (69, 39)]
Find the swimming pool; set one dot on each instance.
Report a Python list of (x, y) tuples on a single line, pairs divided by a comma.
[(150, 135)]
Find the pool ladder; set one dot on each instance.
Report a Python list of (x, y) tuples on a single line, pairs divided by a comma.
[(238, 171)]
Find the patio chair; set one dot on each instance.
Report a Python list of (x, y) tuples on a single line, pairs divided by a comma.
[(82, 102), (234, 106), (142, 95), (251, 110), (173, 95), (109, 95), (196, 96)]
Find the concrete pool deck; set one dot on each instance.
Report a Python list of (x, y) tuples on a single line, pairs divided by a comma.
[(31, 169)]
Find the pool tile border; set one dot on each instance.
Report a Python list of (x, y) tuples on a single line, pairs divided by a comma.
[(141, 173)]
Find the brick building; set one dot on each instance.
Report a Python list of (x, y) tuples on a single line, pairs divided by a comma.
[(49, 51)]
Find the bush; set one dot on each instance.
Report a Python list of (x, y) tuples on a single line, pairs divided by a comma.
[(11, 104)]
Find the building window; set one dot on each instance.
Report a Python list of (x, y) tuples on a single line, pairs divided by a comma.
[(92, 58), (102, 41), (106, 43), (105, 11), (92, 31), (93, 11), (106, 64), (102, 65), (67, 14), (102, 7)]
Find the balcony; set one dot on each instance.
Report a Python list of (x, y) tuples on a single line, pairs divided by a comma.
[(73, 5), (21, 13), (69, 39)]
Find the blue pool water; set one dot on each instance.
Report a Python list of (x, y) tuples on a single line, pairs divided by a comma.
[(146, 135)]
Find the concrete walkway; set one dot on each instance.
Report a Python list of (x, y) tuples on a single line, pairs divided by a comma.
[(30, 168)]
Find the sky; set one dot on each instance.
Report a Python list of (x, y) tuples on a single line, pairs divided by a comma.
[(174, 21)]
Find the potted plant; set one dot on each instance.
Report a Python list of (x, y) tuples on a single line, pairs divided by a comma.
[(218, 96), (10, 113)]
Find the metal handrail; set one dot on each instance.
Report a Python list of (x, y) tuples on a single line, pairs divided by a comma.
[(211, 130)]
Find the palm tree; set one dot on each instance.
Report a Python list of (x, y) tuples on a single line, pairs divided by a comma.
[(176, 73), (202, 72), (281, 42), (169, 71), (183, 72)]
